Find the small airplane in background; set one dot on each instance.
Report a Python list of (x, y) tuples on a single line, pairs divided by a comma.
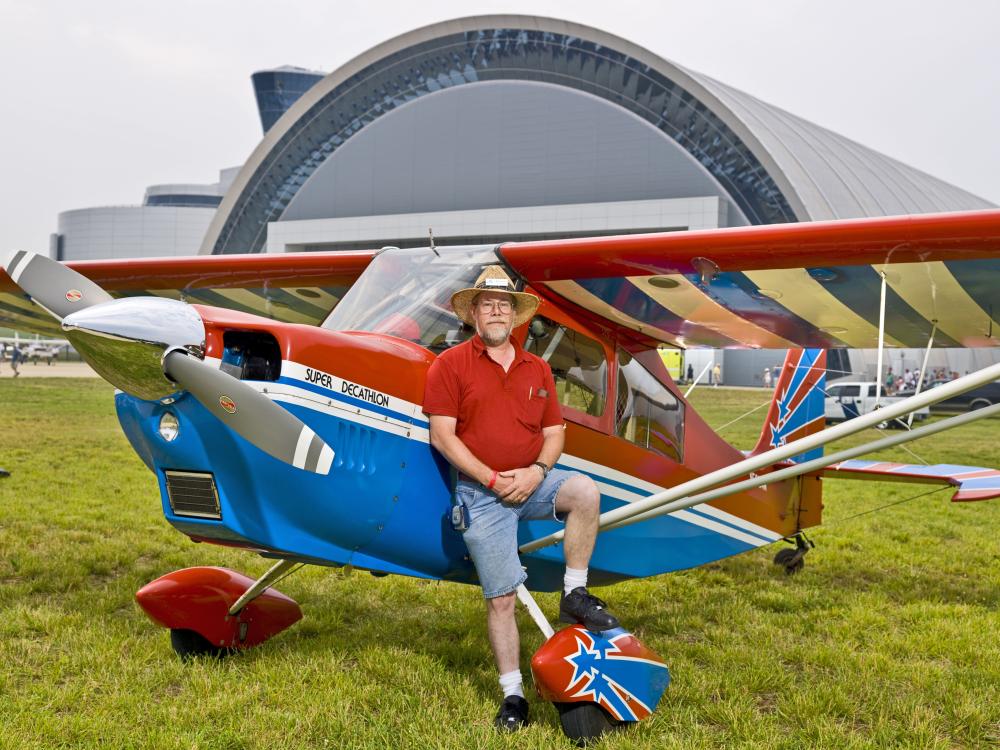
[(277, 399), (35, 349)]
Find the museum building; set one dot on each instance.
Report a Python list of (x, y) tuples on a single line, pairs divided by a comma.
[(497, 128)]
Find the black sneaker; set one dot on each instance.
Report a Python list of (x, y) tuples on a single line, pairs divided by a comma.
[(513, 714), (579, 605)]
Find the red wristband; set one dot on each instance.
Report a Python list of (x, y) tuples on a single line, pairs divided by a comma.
[(493, 480)]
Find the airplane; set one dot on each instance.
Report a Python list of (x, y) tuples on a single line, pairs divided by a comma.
[(277, 399), (34, 349)]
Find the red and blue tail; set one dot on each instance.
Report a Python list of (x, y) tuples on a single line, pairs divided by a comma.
[(798, 407)]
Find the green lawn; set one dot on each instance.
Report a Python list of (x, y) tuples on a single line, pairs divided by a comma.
[(888, 638)]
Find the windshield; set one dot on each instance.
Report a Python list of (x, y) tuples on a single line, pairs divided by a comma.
[(407, 293)]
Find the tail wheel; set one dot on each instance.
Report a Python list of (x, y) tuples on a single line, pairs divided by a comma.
[(792, 560), (188, 644), (585, 722)]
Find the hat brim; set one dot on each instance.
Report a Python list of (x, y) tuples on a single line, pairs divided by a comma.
[(525, 305)]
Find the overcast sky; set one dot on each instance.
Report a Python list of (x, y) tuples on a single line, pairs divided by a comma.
[(102, 98)]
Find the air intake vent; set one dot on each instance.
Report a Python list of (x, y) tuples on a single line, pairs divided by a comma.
[(193, 494), (355, 448)]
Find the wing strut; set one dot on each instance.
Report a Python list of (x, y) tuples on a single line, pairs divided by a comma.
[(923, 367), (810, 466), (881, 343), (698, 379), (784, 452)]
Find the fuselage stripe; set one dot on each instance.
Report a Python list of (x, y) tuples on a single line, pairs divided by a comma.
[(704, 516), (367, 406)]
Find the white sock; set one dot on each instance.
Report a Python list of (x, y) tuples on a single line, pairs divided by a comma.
[(574, 578), (510, 683)]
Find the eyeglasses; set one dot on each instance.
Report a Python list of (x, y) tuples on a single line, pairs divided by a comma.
[(500, 305)]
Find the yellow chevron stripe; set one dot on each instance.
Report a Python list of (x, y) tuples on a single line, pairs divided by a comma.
[(265, 306), (932, 290), (691, 303), (23, 323), (576, 293), (805, 297), (325, 301)]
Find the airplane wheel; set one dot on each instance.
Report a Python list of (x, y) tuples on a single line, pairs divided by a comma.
[(791, 559), (784, 556), (188, 644), (585, 722)]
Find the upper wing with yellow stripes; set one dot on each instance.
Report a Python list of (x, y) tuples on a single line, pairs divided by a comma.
[(294, 288), (791, 285)]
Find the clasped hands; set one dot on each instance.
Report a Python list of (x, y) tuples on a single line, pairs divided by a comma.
[(516, 485)]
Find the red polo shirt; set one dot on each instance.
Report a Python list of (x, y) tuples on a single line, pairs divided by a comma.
[(500, 414)]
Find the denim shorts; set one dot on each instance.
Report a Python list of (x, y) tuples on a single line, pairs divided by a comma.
[(492, 533)]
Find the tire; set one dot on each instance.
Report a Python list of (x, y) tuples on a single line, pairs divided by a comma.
[(188, 644), (979, 403), (585, 722), (784, 555)]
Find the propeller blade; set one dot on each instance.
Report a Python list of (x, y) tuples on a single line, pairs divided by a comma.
[(57, 288), (250, 414)]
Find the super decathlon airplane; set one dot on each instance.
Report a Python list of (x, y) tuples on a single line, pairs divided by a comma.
[(278, 401)]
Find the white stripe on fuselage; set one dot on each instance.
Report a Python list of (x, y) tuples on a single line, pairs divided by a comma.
[(363, 413)]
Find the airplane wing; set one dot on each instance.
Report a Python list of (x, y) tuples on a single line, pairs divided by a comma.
[(809, 285), (292, 287), (971, 482)]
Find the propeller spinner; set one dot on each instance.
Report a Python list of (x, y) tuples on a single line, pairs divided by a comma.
[(150, 346)]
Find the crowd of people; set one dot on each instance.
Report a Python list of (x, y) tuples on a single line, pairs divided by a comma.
[(907, 381)]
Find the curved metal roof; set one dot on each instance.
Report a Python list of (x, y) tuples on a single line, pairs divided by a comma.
[(775, 166), (833, 176)]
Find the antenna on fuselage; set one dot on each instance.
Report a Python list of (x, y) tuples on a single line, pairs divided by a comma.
[(430, 232)]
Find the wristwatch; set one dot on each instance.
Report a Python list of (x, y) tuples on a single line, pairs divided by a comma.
[(543, 467)]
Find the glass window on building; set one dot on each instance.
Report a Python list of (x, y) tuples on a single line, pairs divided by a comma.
[(578, 364), (646, 413)]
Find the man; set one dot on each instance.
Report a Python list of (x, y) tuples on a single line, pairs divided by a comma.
[(495, 416), (16, 357)]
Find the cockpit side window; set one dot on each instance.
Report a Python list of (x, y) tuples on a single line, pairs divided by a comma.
[(578, 364), (646, 412)]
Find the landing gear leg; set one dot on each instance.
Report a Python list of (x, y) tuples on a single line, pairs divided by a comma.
[(793, 560)]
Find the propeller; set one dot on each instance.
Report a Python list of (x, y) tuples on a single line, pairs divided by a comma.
[(60, 290), (150, 346), (254, 416)]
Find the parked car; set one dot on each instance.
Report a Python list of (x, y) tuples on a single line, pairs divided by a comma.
[(848, 399), (977, 398)]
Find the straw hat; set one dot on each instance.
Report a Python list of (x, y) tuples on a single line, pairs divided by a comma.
[(493, 279)]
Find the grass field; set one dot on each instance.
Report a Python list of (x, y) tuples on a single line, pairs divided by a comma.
[(888, 638)]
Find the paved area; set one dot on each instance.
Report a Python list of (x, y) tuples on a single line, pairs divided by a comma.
[(55, 370)]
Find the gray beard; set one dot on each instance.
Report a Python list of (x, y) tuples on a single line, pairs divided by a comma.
[(497, 339)]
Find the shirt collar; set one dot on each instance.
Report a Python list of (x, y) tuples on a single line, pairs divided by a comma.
[(480, 348)]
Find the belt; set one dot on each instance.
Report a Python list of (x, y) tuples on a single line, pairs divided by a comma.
[(466, 478)]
